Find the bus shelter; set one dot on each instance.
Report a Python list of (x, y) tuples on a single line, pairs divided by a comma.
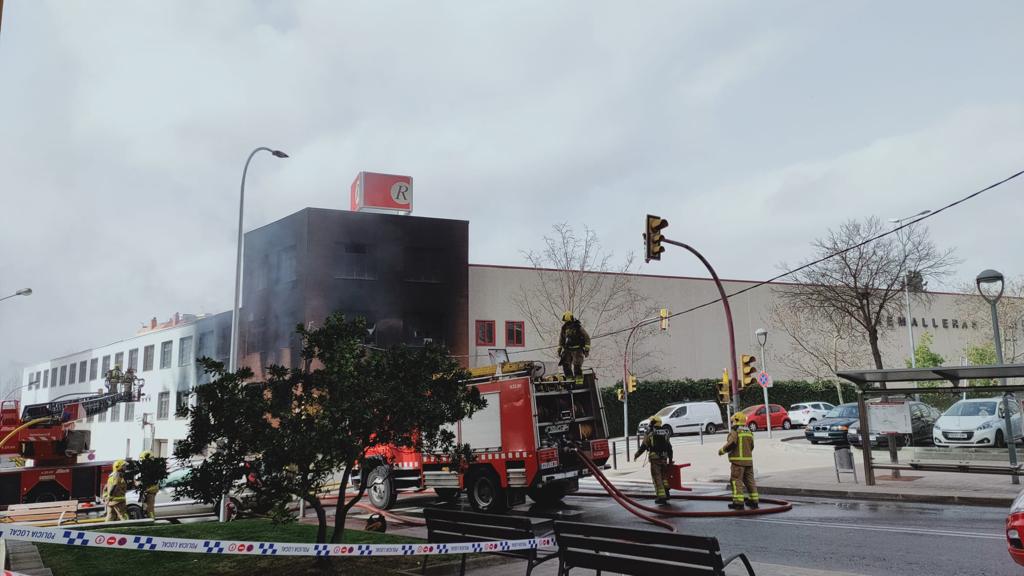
[(953, 380)]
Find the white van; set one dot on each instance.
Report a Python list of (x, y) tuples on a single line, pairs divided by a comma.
[(687, 417)]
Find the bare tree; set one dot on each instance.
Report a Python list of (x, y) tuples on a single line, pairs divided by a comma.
[(1011, 316), (819, 344), (574, 273), (861, 285)]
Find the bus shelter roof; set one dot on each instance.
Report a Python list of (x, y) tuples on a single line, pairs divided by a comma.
[(952, 374)]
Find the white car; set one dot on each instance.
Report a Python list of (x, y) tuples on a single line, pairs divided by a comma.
[(807, 413), (976, 422), (167, 507), (687, 417)]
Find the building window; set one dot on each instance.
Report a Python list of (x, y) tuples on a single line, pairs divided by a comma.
[(102, 416), (129, 412), (93, 365), (46, 378), (53, 378), (185, 351), (204, 348), (515, 334), (163, 405), (133, 359), (115, 413), (119, 360), (72, 368), (81, 370), (147, 358), (182, 404), (355, 262), (106, 366), (485, 332), (63, 375), (165, 354), (39, 377), (286, 265)]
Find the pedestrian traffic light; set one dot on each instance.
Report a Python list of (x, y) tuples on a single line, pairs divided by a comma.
[(748, 372), (632, 383), (619, 394), (725, 389), (664, 318), (653, 237)]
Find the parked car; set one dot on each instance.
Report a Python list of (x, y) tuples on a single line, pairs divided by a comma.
[(835, 426), (976, 422), (922, 419), (687, 417), (756, 418), (808, 412), (168, 507), (1014, 528)]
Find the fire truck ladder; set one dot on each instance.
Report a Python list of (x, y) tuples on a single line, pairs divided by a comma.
[(91, 405)]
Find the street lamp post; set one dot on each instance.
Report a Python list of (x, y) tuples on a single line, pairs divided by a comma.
[(762, 339), (993, 279), (233, 353), (906, 288), (22, 292)]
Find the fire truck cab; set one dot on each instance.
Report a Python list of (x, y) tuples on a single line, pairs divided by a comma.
[(525, 441)]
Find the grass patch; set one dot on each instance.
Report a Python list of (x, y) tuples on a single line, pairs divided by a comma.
[(77, 561)]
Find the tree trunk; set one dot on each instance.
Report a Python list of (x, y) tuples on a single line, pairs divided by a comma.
[(342, 507), (875, 352), (321, 518)]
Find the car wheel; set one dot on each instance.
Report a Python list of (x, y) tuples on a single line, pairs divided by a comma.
[(447, 494), (381, 487), (1000, 441), (136, 512), (710, 429), (752, 426), (786, 424), (814, 441), (485, 492), (667, 429)]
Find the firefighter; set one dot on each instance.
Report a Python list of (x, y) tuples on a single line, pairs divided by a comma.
[(113, 378), (657, 443), (114, 493), (740, 447), (151, 472), (573, 346), (128, 381)]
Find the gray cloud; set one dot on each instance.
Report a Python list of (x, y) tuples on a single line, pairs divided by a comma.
[(753, 127)]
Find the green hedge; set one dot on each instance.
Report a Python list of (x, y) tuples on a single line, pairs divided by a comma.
[(651, 396)]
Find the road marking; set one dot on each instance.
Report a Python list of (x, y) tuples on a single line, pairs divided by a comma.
[(900, 529)]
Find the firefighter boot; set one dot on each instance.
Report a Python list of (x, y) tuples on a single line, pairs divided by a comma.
[(661, 500), (752, 504), (736, 505)]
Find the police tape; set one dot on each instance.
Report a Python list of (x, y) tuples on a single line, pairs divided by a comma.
[(105, 540)]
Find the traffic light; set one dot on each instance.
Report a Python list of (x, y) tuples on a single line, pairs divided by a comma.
[(632, 383), (748, 372), (619, 394), (725, 389), (664, 318), (653, 237)]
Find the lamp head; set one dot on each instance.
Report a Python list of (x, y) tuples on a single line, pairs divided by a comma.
[(989, 277), (762, 335), (24, 292), (279, 153)]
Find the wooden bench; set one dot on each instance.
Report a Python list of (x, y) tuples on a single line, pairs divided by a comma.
[(632, 551), (60, 512), (455, 526)]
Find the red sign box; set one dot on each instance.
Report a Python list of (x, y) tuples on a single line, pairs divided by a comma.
[(382, 191)]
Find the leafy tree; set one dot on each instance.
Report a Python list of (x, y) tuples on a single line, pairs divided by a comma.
[(924, 357), (981, 355), (302, 427)]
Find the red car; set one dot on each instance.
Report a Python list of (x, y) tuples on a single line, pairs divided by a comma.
[(1014, 528), (756, 420)]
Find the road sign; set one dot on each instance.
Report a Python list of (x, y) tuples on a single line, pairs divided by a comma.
[(764, 379)]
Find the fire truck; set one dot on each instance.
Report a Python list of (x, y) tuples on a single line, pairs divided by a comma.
[(526, 441), (44, 435)]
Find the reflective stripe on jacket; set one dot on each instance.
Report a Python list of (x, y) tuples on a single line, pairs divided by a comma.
[(740, 447)]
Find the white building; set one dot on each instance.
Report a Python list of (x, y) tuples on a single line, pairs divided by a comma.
[(164, 355)]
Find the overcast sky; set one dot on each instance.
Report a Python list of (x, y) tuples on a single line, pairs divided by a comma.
[(752, 126)]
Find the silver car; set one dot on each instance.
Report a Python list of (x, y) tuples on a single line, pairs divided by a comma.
[(169, 508)]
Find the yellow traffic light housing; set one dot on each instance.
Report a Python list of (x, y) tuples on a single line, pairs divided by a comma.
[(653, 237), (664, 318), (725, 389), (748, 372), (632, 383)]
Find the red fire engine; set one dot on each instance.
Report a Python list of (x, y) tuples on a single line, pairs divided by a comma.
[(526, 441), (44, 433)]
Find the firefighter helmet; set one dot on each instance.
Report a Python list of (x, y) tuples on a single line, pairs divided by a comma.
[(655, 421), (145, 454), (567, 316), (739, 419), (118, 465)]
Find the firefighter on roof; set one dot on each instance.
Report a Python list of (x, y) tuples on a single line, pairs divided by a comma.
[(573, 346), (740, 447), (657, 443), (114, 493)]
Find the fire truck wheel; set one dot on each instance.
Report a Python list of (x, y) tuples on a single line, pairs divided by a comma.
[(547, 495), (447, 494), (381, 487), (485, 492)]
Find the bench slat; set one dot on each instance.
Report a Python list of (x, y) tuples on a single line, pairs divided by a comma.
[(631, 534), (622, 565), (478, 518), (635, 549), (478, 530)]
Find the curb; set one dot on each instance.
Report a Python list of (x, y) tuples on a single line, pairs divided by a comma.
[(997, 502)]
